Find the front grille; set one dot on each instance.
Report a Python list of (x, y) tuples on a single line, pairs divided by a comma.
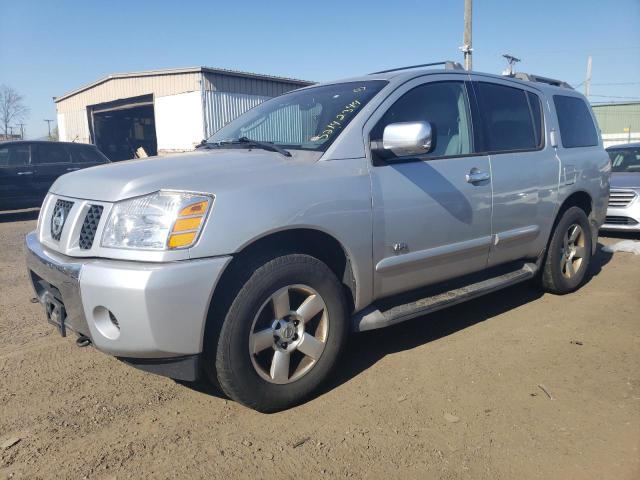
[(621, 198), (59, 217), (89, 227), (613, 220)]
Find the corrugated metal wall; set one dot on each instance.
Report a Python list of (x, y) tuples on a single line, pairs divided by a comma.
[(119, 88), (616, 118), (224, 96), (222, 107)]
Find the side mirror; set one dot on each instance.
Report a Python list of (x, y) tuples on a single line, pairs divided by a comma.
[(407, 138)]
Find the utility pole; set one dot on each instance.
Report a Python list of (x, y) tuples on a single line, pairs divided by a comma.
[(48, 125), (466, 41), (22, 130), (587, 80)]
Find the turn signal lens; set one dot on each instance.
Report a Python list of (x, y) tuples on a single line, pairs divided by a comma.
[(195, 209), (186, 227), (179, 240), (186, 224)]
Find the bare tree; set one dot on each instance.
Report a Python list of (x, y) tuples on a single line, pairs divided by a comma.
[(11, 108)]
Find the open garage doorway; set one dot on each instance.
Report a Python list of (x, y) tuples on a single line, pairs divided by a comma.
[(121, 128)]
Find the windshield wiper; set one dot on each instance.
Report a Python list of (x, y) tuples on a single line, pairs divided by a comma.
[(272, 147)]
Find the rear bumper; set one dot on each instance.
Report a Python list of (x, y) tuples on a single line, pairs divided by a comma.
[(145, 313)]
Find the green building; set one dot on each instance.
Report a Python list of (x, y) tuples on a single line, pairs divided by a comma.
[(619, 122)]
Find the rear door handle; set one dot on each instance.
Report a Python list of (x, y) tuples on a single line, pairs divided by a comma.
[(476, 175), (72, 169), (25, 173)]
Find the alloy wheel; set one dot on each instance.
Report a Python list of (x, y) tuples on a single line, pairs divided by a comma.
[(573, 251), (288, 334)]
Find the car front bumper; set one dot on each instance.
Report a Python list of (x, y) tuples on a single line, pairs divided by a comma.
[(151, 315), (623, 219)]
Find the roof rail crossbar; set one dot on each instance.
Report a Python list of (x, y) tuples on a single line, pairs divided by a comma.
[(530, 77), (448, 65)]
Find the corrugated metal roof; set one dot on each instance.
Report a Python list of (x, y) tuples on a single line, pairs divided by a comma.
[(174, 71)]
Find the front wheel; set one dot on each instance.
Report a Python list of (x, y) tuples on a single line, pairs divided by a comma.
[(569, 253), (283, 333)]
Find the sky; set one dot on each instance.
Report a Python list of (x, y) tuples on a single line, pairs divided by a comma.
[(48, 48)]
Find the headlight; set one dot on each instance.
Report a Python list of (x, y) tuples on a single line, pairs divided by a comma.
[(158, 221)]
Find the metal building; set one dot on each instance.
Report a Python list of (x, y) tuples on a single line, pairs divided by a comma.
[(619, 122), (161, 111)]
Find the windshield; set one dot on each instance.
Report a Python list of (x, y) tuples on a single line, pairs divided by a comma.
[(625, 159), (308, 119)]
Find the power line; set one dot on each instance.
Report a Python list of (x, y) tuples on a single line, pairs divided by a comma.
[(618, 83)]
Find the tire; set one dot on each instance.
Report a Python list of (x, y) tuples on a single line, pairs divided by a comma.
[(308, 340), (568, 258)]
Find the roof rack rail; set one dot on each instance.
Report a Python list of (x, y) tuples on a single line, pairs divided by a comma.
[(448, 65), (530, 77)]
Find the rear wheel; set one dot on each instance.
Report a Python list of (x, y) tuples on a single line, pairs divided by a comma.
[(282, 335), (569, 253)]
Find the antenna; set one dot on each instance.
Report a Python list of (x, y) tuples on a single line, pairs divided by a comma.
[(511, 63)]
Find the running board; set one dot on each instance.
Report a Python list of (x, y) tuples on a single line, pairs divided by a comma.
[(379, 317)]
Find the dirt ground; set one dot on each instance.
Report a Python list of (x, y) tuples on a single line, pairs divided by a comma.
[(458, 394)]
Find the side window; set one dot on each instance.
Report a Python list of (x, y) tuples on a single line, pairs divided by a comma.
[(445, 105), (576, 124), (85, 154), (52, 153), (14, 156), (508, 116)]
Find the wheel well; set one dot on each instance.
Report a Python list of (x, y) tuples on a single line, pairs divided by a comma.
[(315, 243), (577, 199)]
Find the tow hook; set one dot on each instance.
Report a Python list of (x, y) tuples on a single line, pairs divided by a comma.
[(83, 341)]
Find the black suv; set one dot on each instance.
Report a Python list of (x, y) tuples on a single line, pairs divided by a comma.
[(27, 169)]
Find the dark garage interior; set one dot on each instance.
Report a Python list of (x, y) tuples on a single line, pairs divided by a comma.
[(120, 128)]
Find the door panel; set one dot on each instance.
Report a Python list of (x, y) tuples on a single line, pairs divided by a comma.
[(524, 170), (15, 176), (443, 220), (430, 222)]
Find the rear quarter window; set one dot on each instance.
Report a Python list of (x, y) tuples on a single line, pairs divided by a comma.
[(576, 123)]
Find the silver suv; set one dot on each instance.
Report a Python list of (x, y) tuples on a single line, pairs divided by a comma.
[(345, 206)]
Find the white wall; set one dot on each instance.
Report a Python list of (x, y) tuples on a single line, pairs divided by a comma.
[(178, 121), (62, 128), (73, 126), (610, 139)]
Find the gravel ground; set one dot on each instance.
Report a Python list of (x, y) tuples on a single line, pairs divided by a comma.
[(464, 393)]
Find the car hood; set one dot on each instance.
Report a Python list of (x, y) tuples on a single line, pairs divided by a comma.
[(204, 170), (625, 180)]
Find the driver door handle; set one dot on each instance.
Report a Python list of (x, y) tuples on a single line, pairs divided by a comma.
[(476, 175)]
